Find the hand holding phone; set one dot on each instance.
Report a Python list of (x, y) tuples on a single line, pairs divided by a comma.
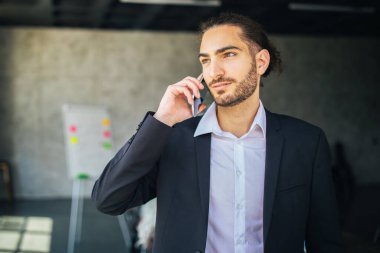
[(174, 106)]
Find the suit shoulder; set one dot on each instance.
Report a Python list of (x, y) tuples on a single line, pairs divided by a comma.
[(297, 126)]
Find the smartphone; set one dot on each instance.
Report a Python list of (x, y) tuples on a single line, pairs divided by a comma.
[(198, 101)]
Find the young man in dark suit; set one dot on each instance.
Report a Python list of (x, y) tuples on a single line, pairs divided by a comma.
[(238, 179)]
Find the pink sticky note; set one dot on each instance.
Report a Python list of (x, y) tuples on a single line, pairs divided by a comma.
[(107, 134), (73, 128)]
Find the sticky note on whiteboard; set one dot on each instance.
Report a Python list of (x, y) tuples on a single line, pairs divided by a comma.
[(74, 140), (87, 131), (106, 122)]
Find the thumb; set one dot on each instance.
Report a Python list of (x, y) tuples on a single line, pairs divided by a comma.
[(202, 107)]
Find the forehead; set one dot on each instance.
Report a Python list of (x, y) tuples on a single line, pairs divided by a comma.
[(221, 36)]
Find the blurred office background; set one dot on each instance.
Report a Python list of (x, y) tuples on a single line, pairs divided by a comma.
[(122, 55)]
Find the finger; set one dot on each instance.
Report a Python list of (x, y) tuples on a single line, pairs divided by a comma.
[(202, 107), (185, 91), (196, 81), (191, 85)]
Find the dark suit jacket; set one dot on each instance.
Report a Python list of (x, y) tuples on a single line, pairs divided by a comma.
[(172, 165)]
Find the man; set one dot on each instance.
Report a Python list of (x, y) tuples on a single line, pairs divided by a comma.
[(238, 179)]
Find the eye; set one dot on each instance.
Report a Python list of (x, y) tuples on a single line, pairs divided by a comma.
[(204, 61), (229, 54)]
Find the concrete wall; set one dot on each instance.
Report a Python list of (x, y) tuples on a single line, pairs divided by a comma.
[(329, 82), (334, 83)]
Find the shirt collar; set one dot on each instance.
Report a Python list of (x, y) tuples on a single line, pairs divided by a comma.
[(209, 123)]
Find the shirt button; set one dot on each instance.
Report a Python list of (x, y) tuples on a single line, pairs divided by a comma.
[(238, 173)]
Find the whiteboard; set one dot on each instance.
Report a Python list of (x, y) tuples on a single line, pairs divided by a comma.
[(88, 139)]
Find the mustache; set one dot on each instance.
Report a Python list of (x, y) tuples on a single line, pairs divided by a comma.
[(220, 80)]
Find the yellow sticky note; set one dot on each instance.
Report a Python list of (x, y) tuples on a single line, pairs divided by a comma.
[(106, 122), (74, 140)]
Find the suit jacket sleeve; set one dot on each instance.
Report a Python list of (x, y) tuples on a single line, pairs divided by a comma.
[(129, 179), (323, 232)]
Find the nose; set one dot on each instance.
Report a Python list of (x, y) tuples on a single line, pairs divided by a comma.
[(216, 70)]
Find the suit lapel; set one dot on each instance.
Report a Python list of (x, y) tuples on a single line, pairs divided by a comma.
[(274, 145), (202, 150)]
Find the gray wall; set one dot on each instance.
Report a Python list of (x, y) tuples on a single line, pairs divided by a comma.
[(328, 82), (334, 83)]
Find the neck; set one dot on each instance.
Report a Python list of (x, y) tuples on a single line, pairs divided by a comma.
[(238, 119)]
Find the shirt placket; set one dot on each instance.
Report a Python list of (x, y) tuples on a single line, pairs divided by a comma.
[(239, 208)]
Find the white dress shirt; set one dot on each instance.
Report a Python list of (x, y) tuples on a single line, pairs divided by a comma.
[(235, 222)]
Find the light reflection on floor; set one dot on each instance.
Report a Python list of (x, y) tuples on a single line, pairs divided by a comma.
[(25, 234)]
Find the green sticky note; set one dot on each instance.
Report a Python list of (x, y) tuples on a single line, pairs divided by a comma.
[(107, 145), (82, 176)]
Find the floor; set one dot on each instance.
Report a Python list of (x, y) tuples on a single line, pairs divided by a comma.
[(101, 233)]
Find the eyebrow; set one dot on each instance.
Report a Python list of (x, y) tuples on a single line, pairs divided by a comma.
[(221, 50)]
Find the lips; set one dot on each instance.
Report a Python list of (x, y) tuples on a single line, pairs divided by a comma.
[(221, 84)]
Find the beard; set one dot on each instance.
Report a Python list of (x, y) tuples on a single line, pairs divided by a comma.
[(244, 89)]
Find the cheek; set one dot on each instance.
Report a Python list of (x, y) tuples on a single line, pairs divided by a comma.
[(246, 68), (237, 70), (206, 74)]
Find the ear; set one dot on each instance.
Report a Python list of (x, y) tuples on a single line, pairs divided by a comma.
[(262, 61)]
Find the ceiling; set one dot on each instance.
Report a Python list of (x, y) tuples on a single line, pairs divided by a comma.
[(309, 17)]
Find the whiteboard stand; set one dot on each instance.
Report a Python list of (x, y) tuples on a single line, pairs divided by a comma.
[(125, 232), (76, 214)]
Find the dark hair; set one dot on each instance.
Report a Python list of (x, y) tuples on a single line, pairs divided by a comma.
[(252, 32)]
